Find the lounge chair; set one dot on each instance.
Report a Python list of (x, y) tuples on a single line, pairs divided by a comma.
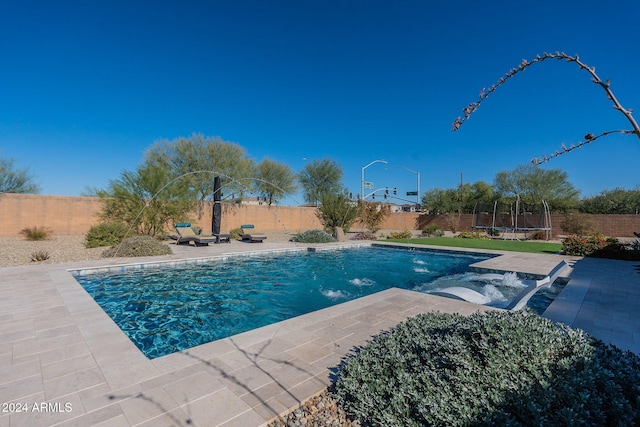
[(249, 235), (518, 303), (186, 236)]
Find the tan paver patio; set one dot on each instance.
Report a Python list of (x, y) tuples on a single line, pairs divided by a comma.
[(64, 362)]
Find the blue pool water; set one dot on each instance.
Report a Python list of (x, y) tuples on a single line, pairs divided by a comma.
[(167, 309)]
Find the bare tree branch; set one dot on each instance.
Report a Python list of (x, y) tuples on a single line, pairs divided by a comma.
[(606, 86)]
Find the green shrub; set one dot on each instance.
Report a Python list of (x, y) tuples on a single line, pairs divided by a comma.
[(492, 232), (36, 233), (404, 234), (493, 368), (583, 245), (598, 246), (236, 233), (313, 236), (39, 256), (432, 231), (106, 234), (138, 246), (472, 235)]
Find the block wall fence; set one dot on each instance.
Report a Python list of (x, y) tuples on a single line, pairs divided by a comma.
[(68, 215)]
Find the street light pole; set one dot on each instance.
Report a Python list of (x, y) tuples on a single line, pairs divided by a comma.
[(418, 178), (375, 161)]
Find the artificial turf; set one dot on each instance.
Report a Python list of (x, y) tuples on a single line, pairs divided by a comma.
[(537, 247)]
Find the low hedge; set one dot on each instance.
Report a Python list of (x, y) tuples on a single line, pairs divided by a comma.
[(493, 368)]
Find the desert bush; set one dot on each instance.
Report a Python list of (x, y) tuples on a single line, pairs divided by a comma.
[(538, 235), (432, 231), (336, 210), (236, 233), (493, 368), (364, 236), (472, 235), (372, 214), (584, 245), (452, 221), (599, 246), (579, 224), (39, 256), (138, 246), (404, 234), (36, 233), (106, 234), (492, 232), (313, 236)]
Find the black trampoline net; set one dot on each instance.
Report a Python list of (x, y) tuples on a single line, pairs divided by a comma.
[(516, 216)]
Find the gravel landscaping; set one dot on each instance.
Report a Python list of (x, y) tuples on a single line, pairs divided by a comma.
[(18, 251)]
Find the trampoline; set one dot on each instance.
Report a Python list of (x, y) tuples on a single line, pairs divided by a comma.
[(514, 218)]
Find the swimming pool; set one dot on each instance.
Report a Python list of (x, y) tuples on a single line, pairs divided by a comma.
[(168, 309)]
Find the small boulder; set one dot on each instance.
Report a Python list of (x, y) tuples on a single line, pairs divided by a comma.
[(338, 233)]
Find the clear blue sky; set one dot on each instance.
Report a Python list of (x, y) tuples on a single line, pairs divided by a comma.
[(87, 87)]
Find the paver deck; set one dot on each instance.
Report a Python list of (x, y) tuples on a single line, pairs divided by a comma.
[(64, 362)]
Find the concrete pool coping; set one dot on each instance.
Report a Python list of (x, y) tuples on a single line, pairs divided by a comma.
[(64, 362)]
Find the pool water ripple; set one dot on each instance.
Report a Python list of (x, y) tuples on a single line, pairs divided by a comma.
[(164, 310)]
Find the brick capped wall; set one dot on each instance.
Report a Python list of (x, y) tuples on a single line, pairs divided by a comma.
[(66, 215)]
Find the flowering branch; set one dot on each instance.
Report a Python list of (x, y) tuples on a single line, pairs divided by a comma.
[(606, 86)]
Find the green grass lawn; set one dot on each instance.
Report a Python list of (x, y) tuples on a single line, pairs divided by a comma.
[(536, 247)]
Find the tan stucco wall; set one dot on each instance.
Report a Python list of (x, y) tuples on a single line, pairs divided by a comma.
[(63, 215), (66, 215)]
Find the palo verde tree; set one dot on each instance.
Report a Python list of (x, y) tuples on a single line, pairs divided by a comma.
[(15, 180), (589, 137), (274, 180), (318, 178), (198, 159)]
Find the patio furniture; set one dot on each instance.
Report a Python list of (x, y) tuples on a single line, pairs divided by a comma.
[(186, 235), (248, 235)]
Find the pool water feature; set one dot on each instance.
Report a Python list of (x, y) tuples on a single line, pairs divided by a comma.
[(168, 309)]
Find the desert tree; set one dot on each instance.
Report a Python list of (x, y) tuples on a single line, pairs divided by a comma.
[(274, 180), (589, 137), (441, 200), (616, 201), (533, 184), (15, 180), (196, 160), (337, 210), (462, 199), (372, 214), (318, 178), (146, 200)]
